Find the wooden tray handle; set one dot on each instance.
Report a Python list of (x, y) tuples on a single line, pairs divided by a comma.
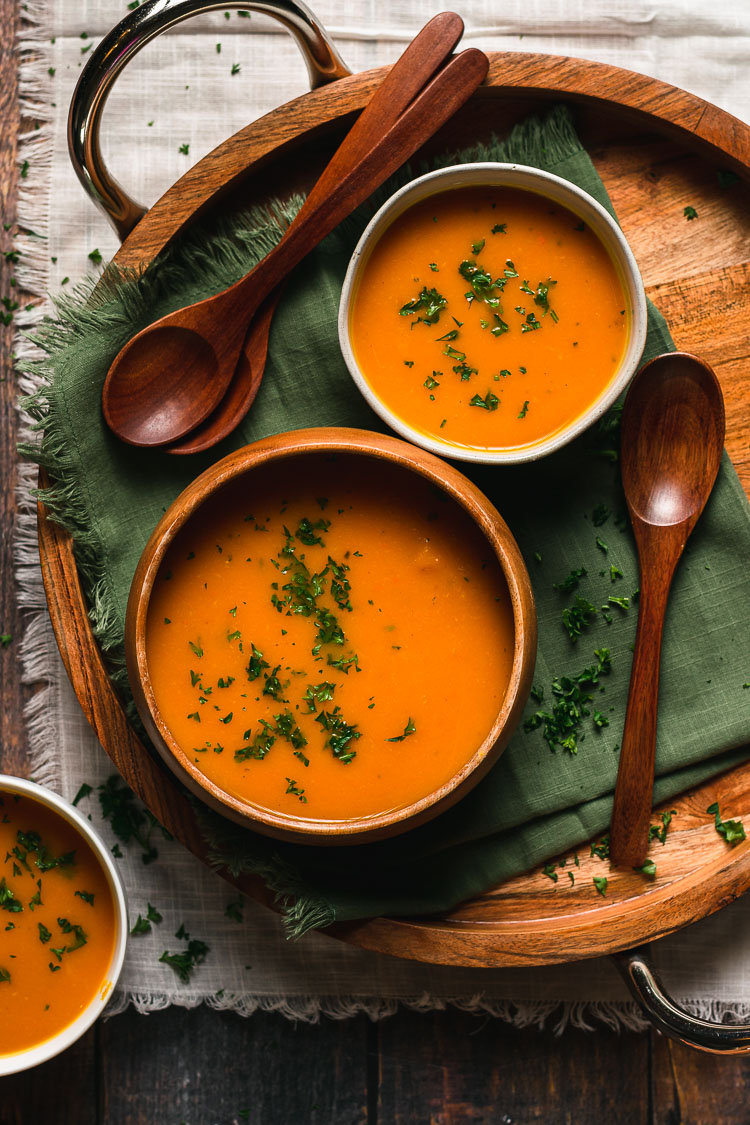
[(715, 1038), (324, 64)]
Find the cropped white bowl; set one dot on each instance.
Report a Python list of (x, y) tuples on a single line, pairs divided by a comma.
[(33, 1056), (559, 191)]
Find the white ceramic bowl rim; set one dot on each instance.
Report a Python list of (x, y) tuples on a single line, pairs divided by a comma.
[(33, 1056), (561, 191)]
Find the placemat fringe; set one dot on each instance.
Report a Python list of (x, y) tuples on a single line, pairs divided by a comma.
[(556, 1017)]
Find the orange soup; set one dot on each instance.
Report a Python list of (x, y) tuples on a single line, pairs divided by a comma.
[(57, 924), (331, 639), (489, 317)]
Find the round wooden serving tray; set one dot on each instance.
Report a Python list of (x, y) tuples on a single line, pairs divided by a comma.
[(658, 150)]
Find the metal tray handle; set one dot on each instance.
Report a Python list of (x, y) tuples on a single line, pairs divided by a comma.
[(324, 64), (666, 1016)]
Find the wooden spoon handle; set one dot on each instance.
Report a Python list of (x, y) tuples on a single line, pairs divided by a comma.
[(406, 78), (438, 101), (631, 810)]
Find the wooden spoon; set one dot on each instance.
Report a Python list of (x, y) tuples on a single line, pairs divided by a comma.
[(172, 374), (671, 443)]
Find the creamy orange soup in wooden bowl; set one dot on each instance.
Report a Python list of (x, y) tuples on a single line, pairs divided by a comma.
[(331, 636), (63, 925), (492, 312)]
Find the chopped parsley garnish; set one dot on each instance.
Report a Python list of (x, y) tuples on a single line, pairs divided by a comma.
[(483, 288), (8, 900), (32, 842), (256, 664), (345, 663), (659, 833), (489, 402), (410, 728), (572, 580), (732, 830), (293, 788), (429, 301), (79, 937), (524, 409), (562, 724), (690, 213), (577, 617), (87, 896), (621, 603), (287, 728), (601, 885), (185, 962), (341, 734), (307, 528), (550, 870), (129, 820), (318, 693), (84, 791), (259, 746)]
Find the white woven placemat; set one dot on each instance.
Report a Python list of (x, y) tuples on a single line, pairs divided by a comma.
[(185, 89)]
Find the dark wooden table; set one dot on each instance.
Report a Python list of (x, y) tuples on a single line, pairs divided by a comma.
[(205, 1067)]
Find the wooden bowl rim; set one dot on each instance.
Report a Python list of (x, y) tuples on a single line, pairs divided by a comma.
[(378, 447)]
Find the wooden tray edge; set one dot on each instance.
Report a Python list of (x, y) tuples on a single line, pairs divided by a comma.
[(500, 944)]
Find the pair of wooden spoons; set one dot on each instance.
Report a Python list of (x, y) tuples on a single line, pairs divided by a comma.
[(180, 375)]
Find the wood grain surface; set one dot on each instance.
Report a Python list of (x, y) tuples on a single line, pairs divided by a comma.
[(656, 156), (446, 1068)]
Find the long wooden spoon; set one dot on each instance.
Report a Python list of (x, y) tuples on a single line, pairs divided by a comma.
[(672, 438), (172, 374)]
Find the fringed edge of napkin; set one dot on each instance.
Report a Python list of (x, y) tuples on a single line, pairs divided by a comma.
[(36, 652), (301, 911)]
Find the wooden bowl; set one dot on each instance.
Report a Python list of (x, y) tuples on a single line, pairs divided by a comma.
[(532, 182), (401, 457)]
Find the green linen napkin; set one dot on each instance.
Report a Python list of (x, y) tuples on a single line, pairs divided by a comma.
[(566, 512)]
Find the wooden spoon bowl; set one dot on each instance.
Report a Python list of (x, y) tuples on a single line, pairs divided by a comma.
[(365, 452)]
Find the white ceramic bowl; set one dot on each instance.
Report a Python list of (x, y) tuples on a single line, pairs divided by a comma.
[(33, 1056), (559, 191)]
